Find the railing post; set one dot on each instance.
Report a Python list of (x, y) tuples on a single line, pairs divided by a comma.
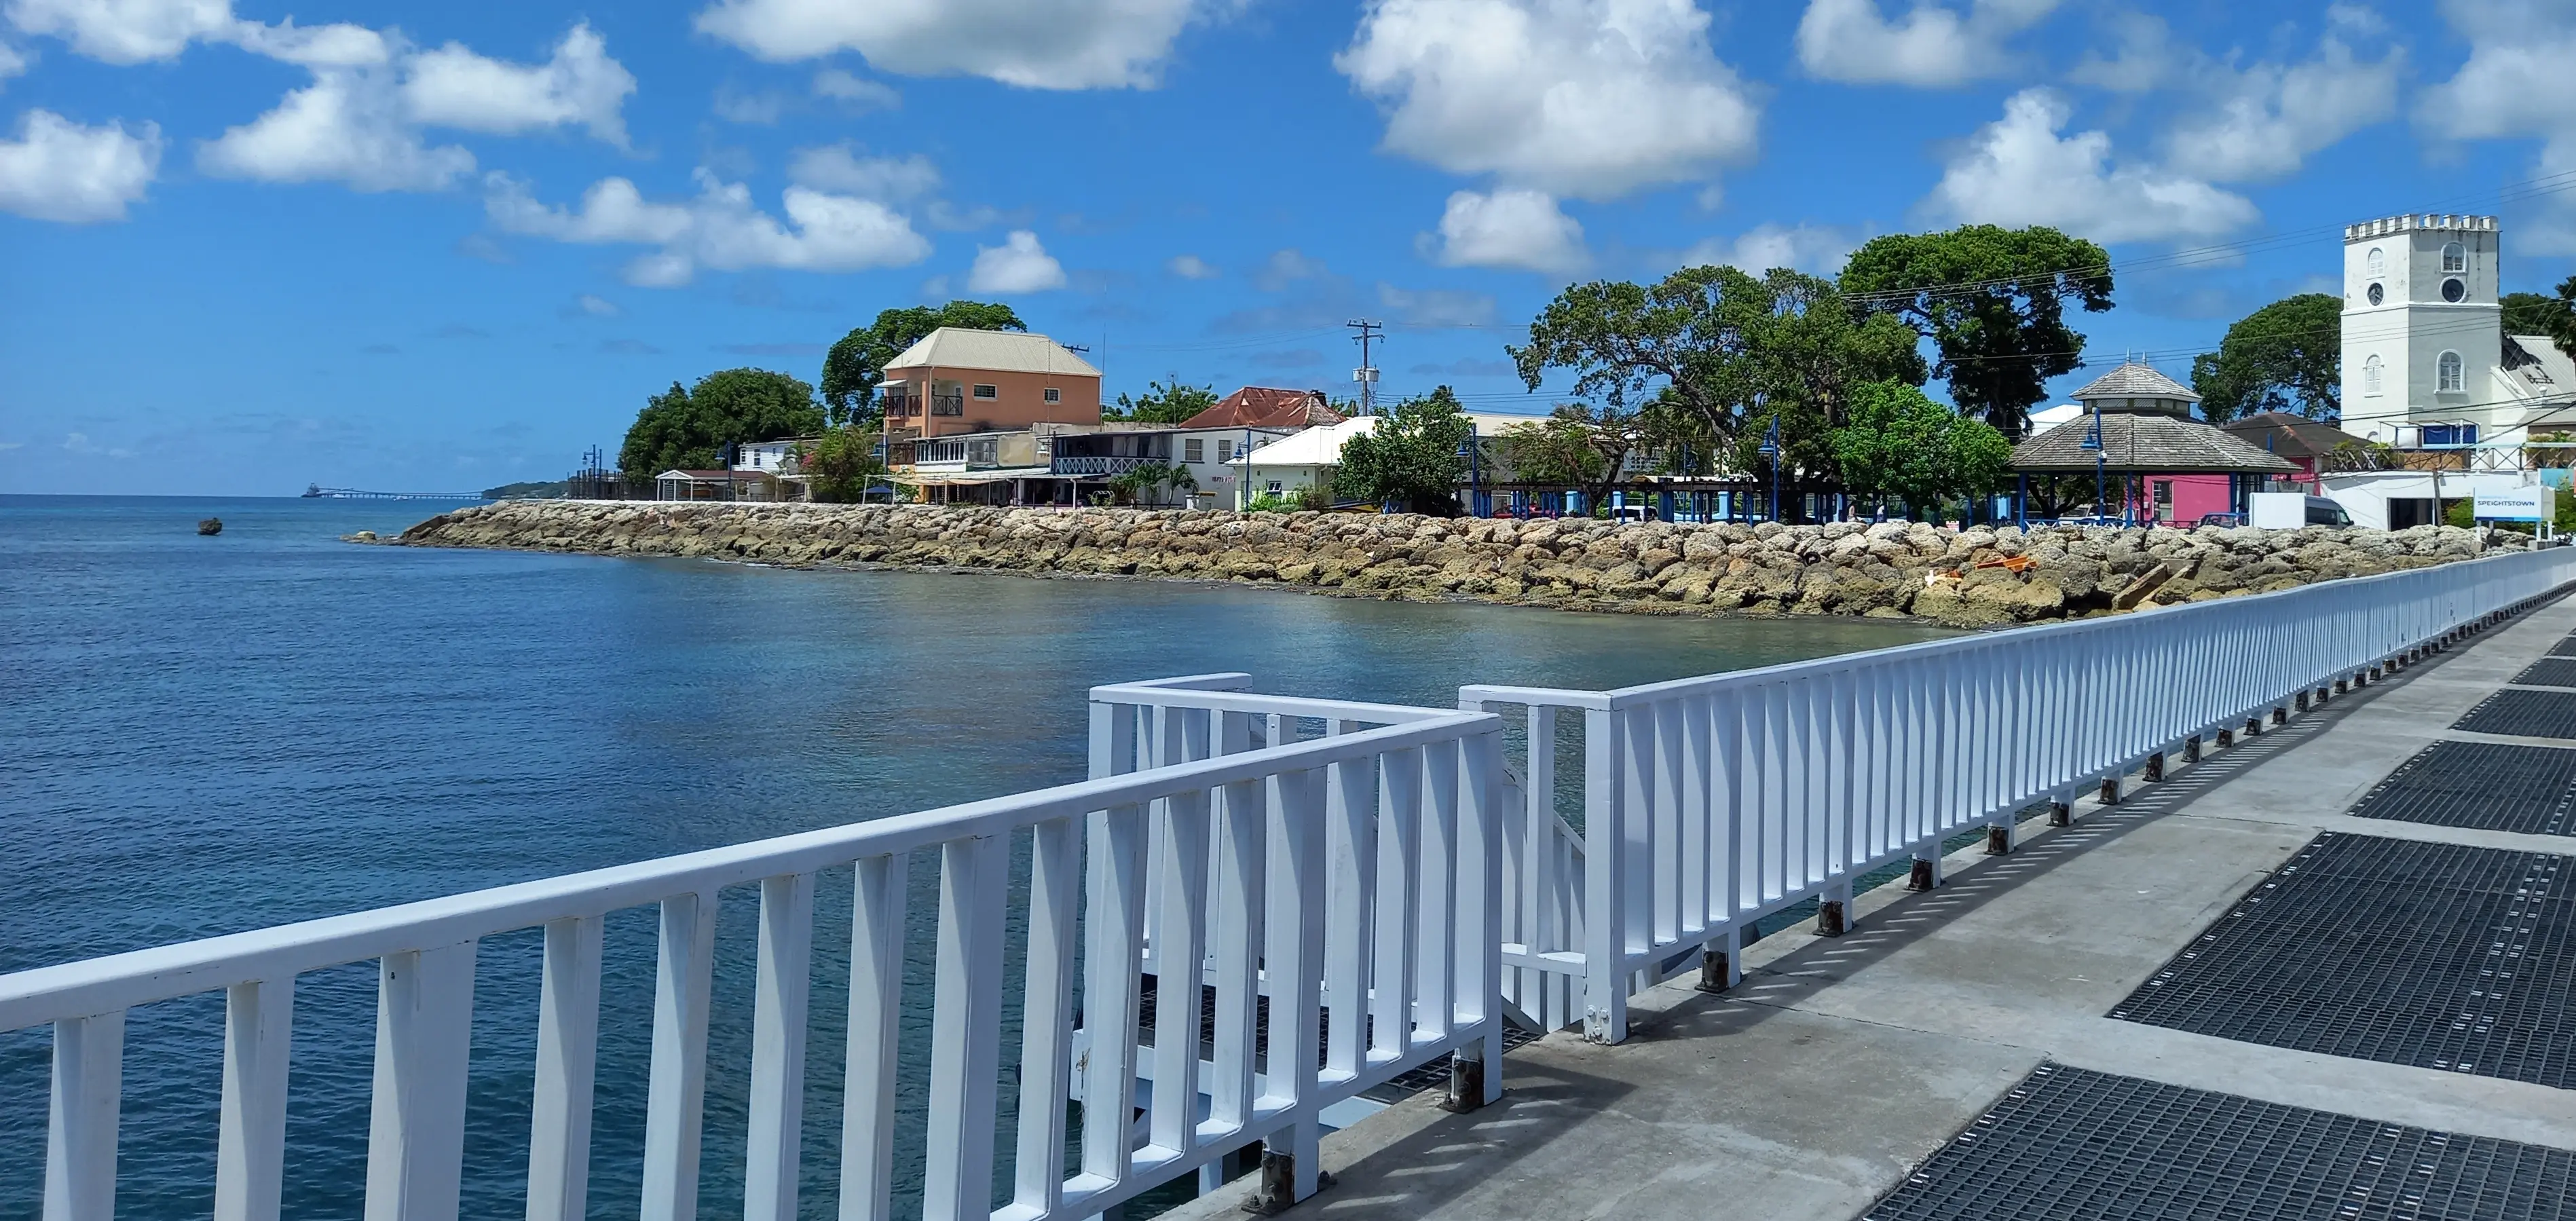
[(1605, 933), (1046, 1026), (966, 1029), (80, 1140), (876, 1003), (250, 1149), (783, 983), (1480, 904), (416, 1140), (675, 1101), (559, 1116)]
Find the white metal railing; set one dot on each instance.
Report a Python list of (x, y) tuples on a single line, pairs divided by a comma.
[(1228, 856), (1709, 803)]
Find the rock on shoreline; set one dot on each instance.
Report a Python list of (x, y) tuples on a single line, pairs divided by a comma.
[(1891, 569)]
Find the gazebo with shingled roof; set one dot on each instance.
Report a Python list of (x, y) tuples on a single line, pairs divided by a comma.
[(2137, 424)]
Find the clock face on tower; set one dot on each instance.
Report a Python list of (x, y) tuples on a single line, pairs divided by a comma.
[(2377, 294), (2454, 291)]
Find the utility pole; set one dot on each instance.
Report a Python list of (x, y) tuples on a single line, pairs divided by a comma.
[(1366, 374)]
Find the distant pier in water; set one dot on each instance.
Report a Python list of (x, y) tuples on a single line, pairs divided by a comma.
[(316, 491)]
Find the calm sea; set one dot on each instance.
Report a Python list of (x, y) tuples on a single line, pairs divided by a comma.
[(205, 735)]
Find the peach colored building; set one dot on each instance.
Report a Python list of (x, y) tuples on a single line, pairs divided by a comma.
[(960, 381)]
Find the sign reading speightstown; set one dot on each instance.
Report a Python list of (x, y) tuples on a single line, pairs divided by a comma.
[(2516, 504)]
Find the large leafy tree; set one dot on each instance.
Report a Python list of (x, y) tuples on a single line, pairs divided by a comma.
[(1720, 344), (854, 366), (1163, 403), (2538, 314), (2286, 356), (1586, 446), (1414, 460), (842, 466), (688, 429), (1900, 444), (1993, 302)]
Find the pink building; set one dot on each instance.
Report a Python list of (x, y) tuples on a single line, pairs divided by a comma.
[(2156, 462)]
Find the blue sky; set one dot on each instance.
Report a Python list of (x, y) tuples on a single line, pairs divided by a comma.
[(244, 246)]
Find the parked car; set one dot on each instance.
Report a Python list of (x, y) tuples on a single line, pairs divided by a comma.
[(2222, 519)]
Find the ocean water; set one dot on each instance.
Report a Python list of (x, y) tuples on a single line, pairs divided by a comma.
[(206, 735)]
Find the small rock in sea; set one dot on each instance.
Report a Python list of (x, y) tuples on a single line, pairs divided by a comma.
[(363, 536), (212, 525)]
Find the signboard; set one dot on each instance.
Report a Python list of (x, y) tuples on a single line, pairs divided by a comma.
[(2532, 504)]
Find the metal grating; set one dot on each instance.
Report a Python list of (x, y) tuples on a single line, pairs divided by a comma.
[(2434, 955), (2523, 713), (2069, 1143), (2492, 786), (2565, 648), (2549, 672)]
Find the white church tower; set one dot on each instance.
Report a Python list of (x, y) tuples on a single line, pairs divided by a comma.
[(2426, 361), (2423, 331)]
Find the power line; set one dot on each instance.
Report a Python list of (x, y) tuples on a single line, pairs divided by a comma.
[(1366, 374)]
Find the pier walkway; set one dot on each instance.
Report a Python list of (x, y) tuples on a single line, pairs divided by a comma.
[(2325, 971)]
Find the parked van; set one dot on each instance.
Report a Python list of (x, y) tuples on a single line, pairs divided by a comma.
[(2291, 510)]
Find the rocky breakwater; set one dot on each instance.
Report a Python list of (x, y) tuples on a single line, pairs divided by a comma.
[(1969, 578)]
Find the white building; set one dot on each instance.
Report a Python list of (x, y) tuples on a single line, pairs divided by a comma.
[(2426, 361)]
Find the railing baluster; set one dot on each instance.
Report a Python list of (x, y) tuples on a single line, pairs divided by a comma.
[(1350, 797), (1478, 906), (1292, 950), (966, 1029), (675, 1105), (1114, 927), (784, 981), (1399, 855), (250, 1145), (1046, 1024), (1605, 937), (80, 1142), (416, 1140), (1179, 950), (1234, 940), (567, 1066), (876, 1004), (1435, 958)]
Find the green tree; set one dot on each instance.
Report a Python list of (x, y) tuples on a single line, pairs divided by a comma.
[(1993, 303), (1727, 348), (2538, 314), (1899, 443), (1589, 447), (1163, 403), (689, 429), (2286, 356), (841, 466), (1415, 460), (855, 365), (1148, 479)]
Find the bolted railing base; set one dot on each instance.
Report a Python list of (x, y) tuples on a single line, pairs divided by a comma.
[(2060, 814), (1466, 1084), (1278, 1187), (2155, 768), (1829, 918), (1716, 971), (2110, 790)]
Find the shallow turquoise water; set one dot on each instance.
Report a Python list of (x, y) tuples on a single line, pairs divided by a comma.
[(204, 735)]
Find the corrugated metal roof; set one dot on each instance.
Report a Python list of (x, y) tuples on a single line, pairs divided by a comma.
[(1266, 407), (2294, 436), (952, 347), (2134, 380), (2151, 444)]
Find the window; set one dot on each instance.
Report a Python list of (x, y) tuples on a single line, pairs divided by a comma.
[(2455, 257), (1054, 395), (2454, 291), (2449, 376), (2450, 434), (1224, 450), (2377, 294), (1276, 487), (1194, 450), (2370, 373), (987, 392), (2375, 263)]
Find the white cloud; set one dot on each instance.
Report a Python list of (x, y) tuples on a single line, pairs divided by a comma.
[(1192, 267), (1286, 267), (2146, 60), (1931, 47), (2018, 171), (1018, 265), (1436, 306), (2517, 83), (760, 109), (1584, 98), (719, 228), (2267, 119), (1509, 228), (63, 171), (347, 126), (596, 307), (124, 31), (858, 93), (1815, 249), (1036, 44), (360, 122), (579, 83), (840, 167), (13, 62)]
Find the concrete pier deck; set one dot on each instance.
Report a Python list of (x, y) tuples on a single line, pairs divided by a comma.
[(1840, 1067)]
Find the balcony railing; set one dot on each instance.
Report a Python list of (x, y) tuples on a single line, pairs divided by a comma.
[(1085, 465)]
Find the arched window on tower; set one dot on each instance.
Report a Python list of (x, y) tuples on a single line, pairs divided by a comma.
[(2370, 375), (2375, 264), (2455, 257), (2449, 374)]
